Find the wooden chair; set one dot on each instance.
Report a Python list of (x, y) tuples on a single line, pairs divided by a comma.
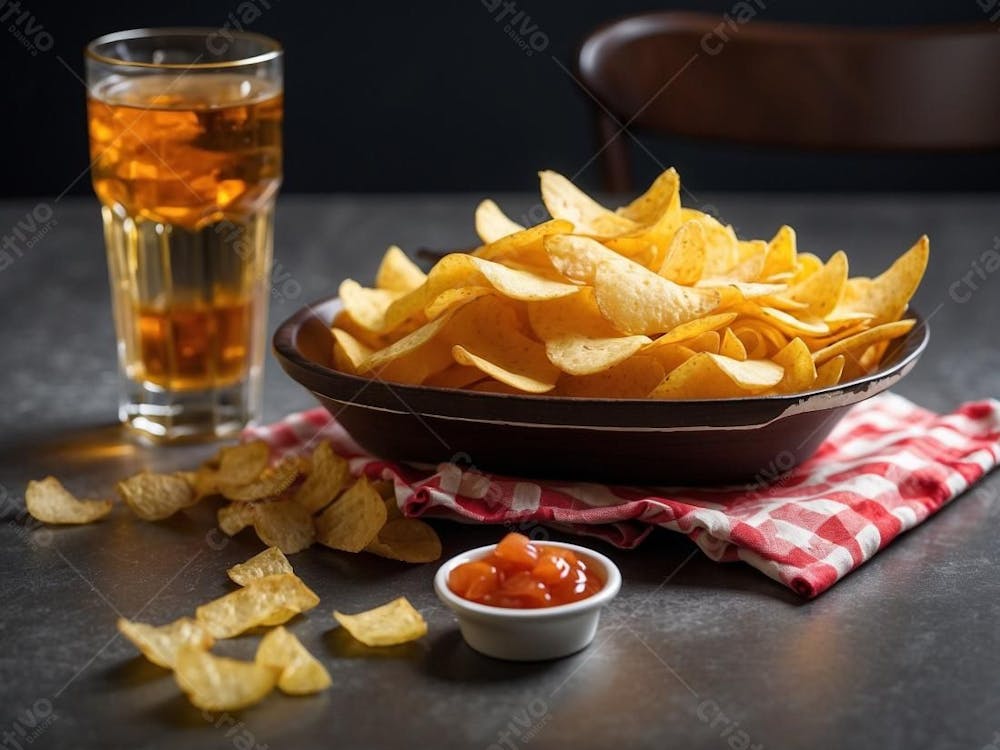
[(923, 89)]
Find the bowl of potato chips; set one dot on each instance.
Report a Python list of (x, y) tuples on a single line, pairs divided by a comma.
[(646, 344)]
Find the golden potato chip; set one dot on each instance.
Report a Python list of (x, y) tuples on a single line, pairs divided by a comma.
[(828, 373), (284, 524), (154, 497), (637, 301), (800, 371), (693, 329), (492, 224), (731, 346), (858, 341), (408, 540), (389, 625), (218, 683), (452, 299), (397, 273), (489, 385), (662, 197), (412, 358), (329, 474), (523, 244), (271, 561), (511, 282), (634, 378), (685, 258), (367, 307), (709, 341), (49, 502), (722, 250), (822, 290), (269, 600), (352, 521), (234, 517), (160, 644), (708, 375), (299, 672), (529, 374), (781, 254), (887, 296), (670, 357), (565, 201), (578, 339), (348, 352), (243, 463), (269, 483)]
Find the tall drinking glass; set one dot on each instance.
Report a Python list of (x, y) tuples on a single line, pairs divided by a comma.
[(185, 145)]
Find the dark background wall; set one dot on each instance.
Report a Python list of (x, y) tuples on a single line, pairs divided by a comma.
[(434, 96)]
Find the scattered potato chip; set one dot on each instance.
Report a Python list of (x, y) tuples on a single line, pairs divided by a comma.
[(218, 683), (352, 521), (408, 540), (565, 201), (270, 600), (243, 463), (284, 524), (327, 477), (299, 672), (49, 502), (160, 644), (234, 517), (271, 561), (270, 482), (154, 497), (389, 625)]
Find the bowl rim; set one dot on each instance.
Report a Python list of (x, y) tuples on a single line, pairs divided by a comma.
[(612, 585), (745, 412)]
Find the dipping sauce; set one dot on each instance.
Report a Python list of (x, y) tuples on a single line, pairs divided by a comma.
[(521, 574)]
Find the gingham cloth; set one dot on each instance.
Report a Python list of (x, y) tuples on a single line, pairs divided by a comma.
[(887, 466)]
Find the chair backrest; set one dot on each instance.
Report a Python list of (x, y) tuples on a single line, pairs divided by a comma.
[(922, 89)]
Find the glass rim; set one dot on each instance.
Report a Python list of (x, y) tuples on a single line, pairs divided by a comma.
[(272, 48)]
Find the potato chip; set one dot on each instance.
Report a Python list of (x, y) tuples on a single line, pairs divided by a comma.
[(565, 201), (349, 352), (160, 644), (709, 341), (154, 497), (397, 273), (708, 375), (489, 385), (722, 250), (299, 672), (243, 463), (634, 378), (578, 257), (822, 290), (367, 307), (731, 346), (887, 296), (218, 683), (329, 474), (578, 339), (780, 256), (49, 502), (352, 521), (662, 197), (637, 301), (693, 329), (269, 483), (513, 283), (800, 372), (670, 357), (389, 625), (828, 373), (452, 299), (523, 244), (235, 517), (407, 540), (492, 224), (454, 376), (270, 600), (271, 561), (685, 258), (411, 358), (858, 341), (284, 524)]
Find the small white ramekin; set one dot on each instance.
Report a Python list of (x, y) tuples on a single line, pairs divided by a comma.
[(529, 634)]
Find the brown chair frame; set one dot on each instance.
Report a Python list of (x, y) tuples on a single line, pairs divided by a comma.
[(825, 88)]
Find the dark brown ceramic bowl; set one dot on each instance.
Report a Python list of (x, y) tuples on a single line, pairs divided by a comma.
[(626, 441)]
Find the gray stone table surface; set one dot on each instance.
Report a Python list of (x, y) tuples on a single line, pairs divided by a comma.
[(903, 653)]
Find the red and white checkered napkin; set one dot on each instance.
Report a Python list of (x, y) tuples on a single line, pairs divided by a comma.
[(886, 467)]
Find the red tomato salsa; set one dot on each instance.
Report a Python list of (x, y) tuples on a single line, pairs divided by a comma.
[(521, 574)]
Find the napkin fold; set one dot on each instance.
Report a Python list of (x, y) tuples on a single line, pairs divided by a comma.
[(886, 467)]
